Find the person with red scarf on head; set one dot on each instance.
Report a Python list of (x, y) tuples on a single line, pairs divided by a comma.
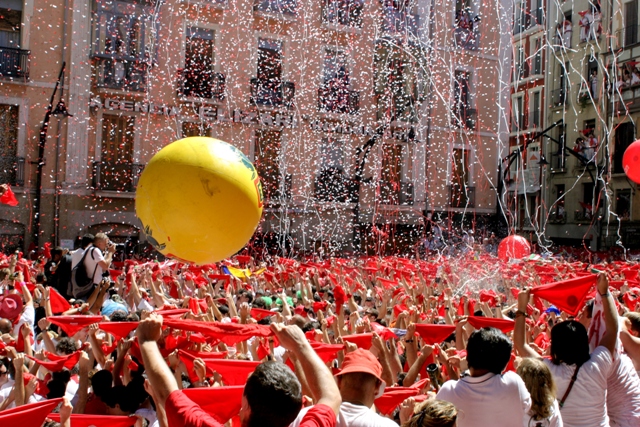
[(272, 396)]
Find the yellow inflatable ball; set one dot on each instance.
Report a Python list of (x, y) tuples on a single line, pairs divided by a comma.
[(199, 200)]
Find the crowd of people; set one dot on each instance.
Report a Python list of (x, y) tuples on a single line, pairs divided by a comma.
[(470, 340)]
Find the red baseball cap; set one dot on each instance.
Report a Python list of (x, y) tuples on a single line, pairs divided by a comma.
[(361, 361)]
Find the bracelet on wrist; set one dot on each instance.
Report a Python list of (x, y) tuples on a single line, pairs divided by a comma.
[(606, 294), (411, 340), (520, 313)]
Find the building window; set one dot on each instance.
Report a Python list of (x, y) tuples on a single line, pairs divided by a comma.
[(14, 62), (267, 152), (534, 110), (331, 183), (343, 12), (268, 88), (536, 67), (395, 83), (466, 25), (517, 114), (590, 23), (558, 212), (116, 171), (463, 111), (196, 129), (520, 18), (391, 178), (558, 156), (625, 135), (276, 7), (199, 78), (124, 43), (11, 167), (334, 94), (631, 23), (398, 17), (461, 193), (520, 66), (623, 204), (564, 32), (586, 205)]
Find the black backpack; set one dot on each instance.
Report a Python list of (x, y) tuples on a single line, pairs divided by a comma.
[(80, 280)]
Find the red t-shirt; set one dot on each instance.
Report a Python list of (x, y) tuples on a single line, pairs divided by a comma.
[(184, 412)]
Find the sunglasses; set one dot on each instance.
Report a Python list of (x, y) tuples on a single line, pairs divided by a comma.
[(4, 373)]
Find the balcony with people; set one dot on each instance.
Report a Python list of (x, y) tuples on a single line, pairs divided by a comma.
[(466, 31), (14, 61)]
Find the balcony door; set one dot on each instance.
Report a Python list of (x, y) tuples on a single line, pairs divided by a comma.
[(199, 62), (8, 143), (270, 62), (391, 174), (460, 173), (116, 154), (267, 161)]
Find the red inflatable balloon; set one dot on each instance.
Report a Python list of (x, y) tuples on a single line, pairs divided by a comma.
[(631, 161), (514, 247)]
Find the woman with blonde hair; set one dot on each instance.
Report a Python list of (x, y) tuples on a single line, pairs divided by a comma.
[(430, 413), (544, 411)]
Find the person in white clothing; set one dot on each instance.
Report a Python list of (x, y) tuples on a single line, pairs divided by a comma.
[(76, 256), (544, 411), (488, 397), (581, 377)]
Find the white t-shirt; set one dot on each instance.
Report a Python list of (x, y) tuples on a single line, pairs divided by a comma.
[(5, 390), (27, 316), (585, 405), (76, 256), (489, 400), (91, 263), (353, 416), (554, 420), (623, 393)]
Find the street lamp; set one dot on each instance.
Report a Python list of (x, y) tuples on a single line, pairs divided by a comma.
[(59, 111)]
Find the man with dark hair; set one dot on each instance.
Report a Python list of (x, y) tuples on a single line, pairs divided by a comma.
[(58, 270), (487, 397), (66, 346), (271, 381)]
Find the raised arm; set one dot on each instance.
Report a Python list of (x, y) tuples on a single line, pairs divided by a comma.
[(318, 376), (519, 333), (610, 314)]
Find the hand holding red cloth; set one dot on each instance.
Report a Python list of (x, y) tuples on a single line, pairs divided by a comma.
[(119, 330), (9, 198), (29, 415), (434, 334), (229, 333), (86, 420), (394, 396), (58, 365), (58, 303), (363, 341), (73, 324)]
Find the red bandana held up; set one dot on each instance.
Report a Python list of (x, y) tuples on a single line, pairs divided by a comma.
[(58, 365), (363, 341), (58, 303), (9, 198), (188, 357), (434, 334), (229, 333), (73, 324), (568, 295), (504, 325), (392, 397), (222, 403), (32, 414), (118, 329)]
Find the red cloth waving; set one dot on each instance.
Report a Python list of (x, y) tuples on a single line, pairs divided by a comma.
[(504, 325), (434, 334), (58, 303), (259, 313), (84, 420), (567, 295), (8, 198), (73, 324), (326, 352), (30, 415), (233, 372), (393, 397), (229, 333), (222, 403), (62, 362), (363, 341), (118, 329)]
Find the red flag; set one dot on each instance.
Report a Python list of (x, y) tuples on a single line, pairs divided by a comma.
[(188, 357), (58, 303), (118, 329), (172, 312), (29, 415), (259, 313), (63, 362), (567, 295), (41, 387), (388, 284), (85, 420), (384, 332), (233, 372), (340, 297), (223, 403), (363, 341), (73, 324), (434, 334), (320, 305), (504, 325), (8, 198), (392, 397)]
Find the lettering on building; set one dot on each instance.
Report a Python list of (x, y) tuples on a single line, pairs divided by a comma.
[(264, 118), (113, 104)]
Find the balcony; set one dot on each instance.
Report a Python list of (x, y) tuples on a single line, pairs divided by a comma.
[(396, 21), (346, 14), (626, 99), (121, 74), (331, 185), (525, 21), (466, 118), (272, 94), (467, 38), (559, 97), (462, 197), (399, 108), (396, 193), (558, 216), (583, 215), (120, 177), (338, 100), (209, 85), (287, 8), (14, 63), (12, 170)]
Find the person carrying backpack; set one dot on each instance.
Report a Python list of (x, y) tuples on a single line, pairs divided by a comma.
[(87, 274)]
